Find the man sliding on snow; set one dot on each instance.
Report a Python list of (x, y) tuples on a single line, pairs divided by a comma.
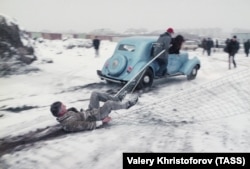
[(73, 120)]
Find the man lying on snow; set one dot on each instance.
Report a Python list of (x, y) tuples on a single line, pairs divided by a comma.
[(95, 116)]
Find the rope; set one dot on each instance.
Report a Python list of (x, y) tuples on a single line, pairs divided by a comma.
[(136, 75)]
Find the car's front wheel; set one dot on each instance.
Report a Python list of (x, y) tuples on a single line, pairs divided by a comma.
[(193, 73), (146, 80)]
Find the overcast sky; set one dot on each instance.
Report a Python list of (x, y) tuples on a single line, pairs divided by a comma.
[(119, 15)]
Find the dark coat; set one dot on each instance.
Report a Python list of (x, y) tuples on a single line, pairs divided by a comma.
[(210, 44), (233, 47), (176, 44), (73, 120), (204, 44), (96, 43), (247, 45), (163, 43)]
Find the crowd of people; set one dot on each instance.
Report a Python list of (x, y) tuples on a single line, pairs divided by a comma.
[(173, 45), (232, 47), (207, 45)]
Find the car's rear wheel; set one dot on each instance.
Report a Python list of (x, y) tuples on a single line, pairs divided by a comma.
[(146, 80), (193, 73)]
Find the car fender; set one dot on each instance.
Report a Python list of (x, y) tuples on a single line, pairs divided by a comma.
[(189, 65), (104, 68)]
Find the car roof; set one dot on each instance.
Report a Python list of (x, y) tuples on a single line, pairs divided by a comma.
[(141, 42)]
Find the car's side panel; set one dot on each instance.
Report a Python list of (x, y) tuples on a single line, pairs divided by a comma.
[(189, 65), (138, 67), (175, 62)]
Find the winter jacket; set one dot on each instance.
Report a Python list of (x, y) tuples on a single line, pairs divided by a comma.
[(74, 120), (176, 44), (204, 44), (96, 43), (164, 42), (247, 45), (210, 44), (233, 47)]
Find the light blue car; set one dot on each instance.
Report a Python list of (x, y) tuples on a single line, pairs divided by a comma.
[(133, 55)]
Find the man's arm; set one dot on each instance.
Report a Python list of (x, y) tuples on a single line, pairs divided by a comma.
[(167, 42)]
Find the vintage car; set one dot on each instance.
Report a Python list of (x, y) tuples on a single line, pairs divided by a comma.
[(134, 55)]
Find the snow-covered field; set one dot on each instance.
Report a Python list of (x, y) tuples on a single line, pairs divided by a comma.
[(208, 114)]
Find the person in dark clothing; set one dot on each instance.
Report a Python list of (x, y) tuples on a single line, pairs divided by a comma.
[(96, 44), (176, 44), (209, 46), (247, 47), (216, 45), (204, 45), (163, 43), (232, 48), (227, 41), (95, 116), (226, 45)]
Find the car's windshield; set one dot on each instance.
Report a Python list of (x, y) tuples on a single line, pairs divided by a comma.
[(125, 47)]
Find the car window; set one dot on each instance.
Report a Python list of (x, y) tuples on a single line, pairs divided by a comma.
[(125, 47)]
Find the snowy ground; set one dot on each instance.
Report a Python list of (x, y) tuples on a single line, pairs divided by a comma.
[(208, 114)]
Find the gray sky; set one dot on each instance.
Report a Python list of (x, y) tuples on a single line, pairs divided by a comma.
[(119, 15)]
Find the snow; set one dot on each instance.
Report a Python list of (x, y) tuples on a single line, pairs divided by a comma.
[(9, 20), (208, 114)]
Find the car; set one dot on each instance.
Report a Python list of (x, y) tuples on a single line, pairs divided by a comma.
[(190, 45), (134, 55)]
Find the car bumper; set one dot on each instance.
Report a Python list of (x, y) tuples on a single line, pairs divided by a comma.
[(104, 77)]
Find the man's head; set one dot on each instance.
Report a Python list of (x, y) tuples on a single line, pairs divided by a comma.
[(58, 109), (170, 30), (234, 38)]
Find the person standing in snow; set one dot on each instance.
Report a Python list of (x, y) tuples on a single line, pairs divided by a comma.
[(216, 45), (95, 116), (209, 46), (247, 47), (96, 44), (204, 45), (163, 43), (232, 48)]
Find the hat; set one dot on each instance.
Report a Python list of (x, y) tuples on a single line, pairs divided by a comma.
[(235, 37), (170, 30), (55, 108)]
